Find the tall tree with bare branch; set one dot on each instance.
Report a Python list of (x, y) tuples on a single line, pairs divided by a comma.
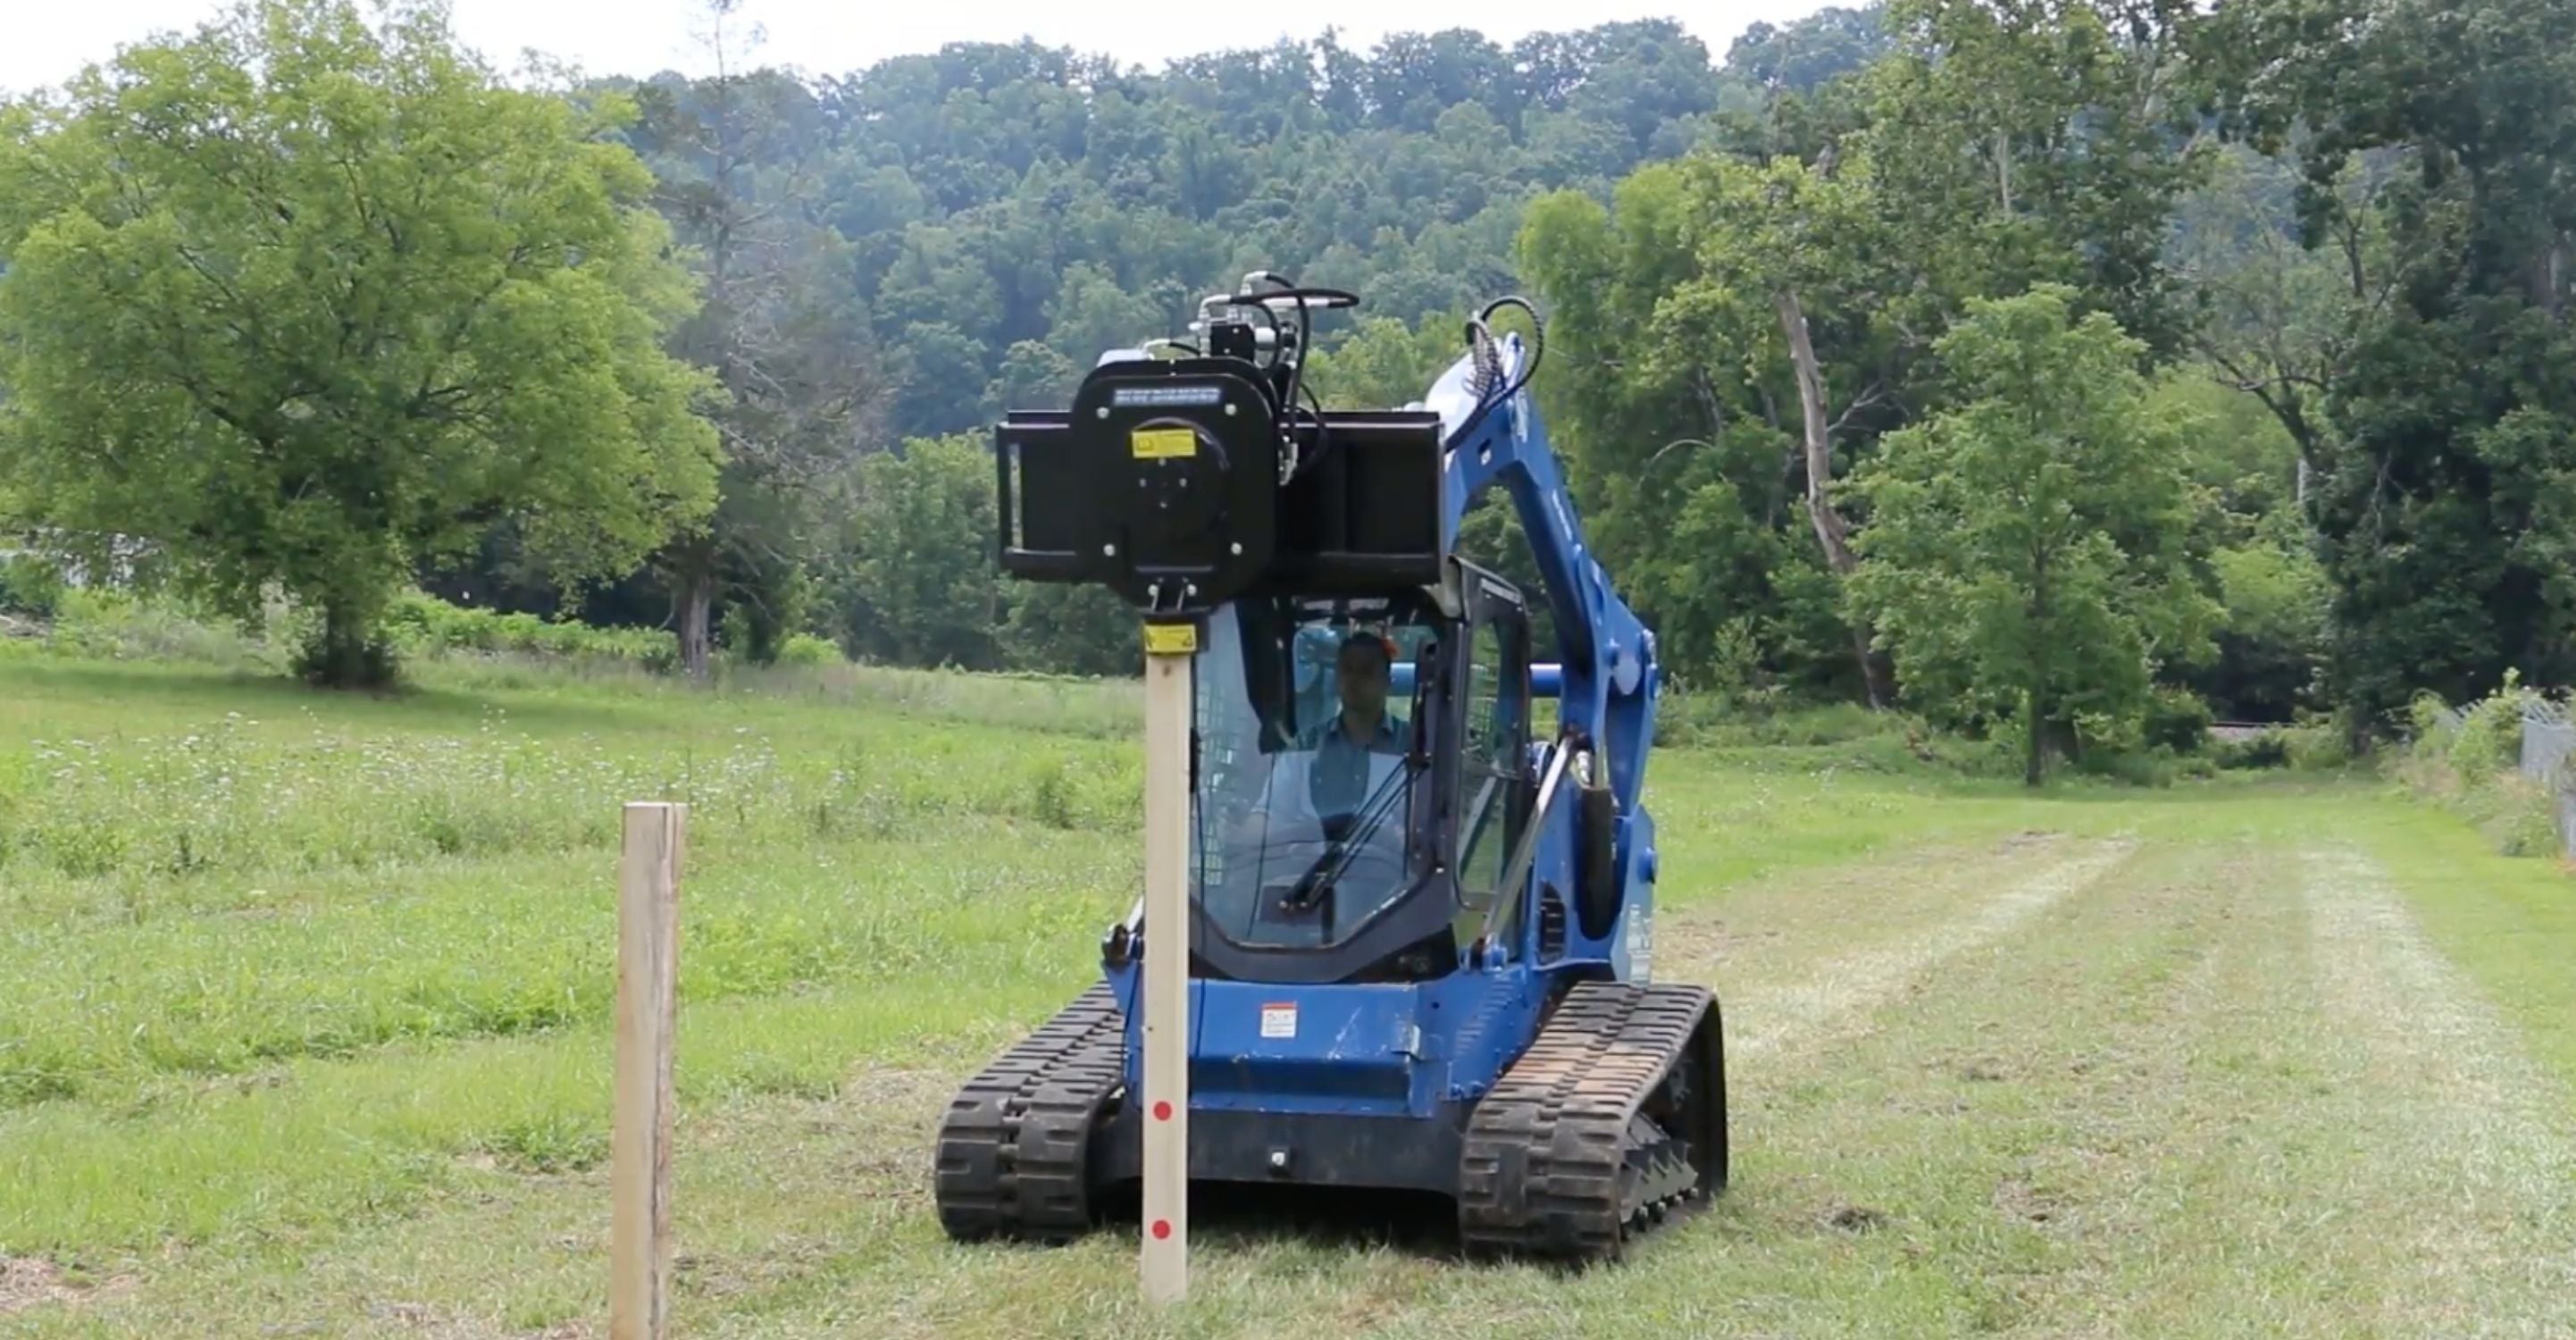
[(741, 158)]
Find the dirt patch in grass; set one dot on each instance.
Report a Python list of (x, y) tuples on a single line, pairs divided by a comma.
[(2031, 1204), (2028, 837), (30, 1281), (888, 1121), (1856, 1218)]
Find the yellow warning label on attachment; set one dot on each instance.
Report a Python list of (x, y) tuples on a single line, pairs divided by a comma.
[(1171, 639), (1158, 444)]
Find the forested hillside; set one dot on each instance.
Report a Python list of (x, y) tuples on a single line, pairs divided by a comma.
[(2065, 373), (1011, 211), (960, 234)]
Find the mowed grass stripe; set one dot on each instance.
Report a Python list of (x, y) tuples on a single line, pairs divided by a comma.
[(1808, 1008), (1877, 1163), (1724, 829), (2473, 1143), (2151, 1111), (1772, 934), (2508, 924), (2202, 1185), (2259, 1166)]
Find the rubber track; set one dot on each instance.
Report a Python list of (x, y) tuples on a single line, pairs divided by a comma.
[(1540, 1172), (1012, 1147)]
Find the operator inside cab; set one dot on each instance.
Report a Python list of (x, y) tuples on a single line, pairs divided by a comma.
[(1309, 820), (1340, 779)]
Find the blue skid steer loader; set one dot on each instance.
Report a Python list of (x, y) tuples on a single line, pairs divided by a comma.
[(1419, 939)]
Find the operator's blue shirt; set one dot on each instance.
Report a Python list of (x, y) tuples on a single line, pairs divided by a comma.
[(1338, 780)]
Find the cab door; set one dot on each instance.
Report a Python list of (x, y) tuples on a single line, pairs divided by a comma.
[(1491, 711)]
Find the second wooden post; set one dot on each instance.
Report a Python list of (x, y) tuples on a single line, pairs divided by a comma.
[(639, 1154)]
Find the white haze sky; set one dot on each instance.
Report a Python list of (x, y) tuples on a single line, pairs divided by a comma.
[(44, 42)]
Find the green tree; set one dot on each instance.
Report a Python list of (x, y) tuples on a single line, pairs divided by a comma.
[(2433, 144), (1082, 630), (1781, 250), (2276, 319), (1033, 376), (2260, 551), (2025, 548), (1658, 433), (2043, 143), (1091, 316), (736, 157), (1384, 363), (1748, 324), (999, 194), (923, 588), (2273, 642), (303, 302), (1832, 42)]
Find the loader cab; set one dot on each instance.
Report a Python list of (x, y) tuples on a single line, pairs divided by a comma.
[(1331, 842)]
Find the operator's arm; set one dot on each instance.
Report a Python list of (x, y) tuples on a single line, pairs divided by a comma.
[(1280, 810)]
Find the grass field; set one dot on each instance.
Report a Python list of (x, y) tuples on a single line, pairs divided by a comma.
[(302, 1007)]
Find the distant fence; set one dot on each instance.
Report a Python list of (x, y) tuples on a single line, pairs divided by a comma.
[(2547, 739), (2547, 746), (56, 549)]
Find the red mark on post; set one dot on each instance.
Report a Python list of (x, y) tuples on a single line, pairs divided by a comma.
[(1162, 1229), (1162, 1111)]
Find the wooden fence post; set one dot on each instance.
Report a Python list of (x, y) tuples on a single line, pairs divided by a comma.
[(639, 1159), (1166, 1247)]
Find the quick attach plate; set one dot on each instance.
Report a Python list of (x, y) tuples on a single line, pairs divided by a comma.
[(1151, 487), (1162, 484)]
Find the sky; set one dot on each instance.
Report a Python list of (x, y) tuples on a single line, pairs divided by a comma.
[(43, 42)]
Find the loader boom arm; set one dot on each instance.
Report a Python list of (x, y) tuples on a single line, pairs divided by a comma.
[(1607, 682)]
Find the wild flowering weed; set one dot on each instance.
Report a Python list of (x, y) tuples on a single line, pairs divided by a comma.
[(215, 897)]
